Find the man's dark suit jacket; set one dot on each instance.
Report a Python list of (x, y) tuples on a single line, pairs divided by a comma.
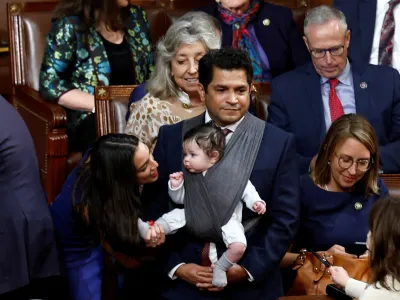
[(280, 39), (27, 246), (296, 106), (360, 17), (275, 177)]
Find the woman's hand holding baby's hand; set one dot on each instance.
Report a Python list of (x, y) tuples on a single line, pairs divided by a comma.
[(259, 207), (176, 179), (155, 236), (339, 276)]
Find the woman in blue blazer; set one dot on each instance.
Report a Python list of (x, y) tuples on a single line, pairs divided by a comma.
[(337, 196), (97, 211)]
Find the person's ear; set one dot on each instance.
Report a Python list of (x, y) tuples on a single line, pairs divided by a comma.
[(201, 91), (214, 157), (347, 38), (306, 42)]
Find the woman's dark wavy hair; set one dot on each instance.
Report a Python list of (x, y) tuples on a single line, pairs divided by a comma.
[(384, 223), (92, 11), (110, 196)]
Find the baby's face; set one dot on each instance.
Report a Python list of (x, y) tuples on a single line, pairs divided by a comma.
[(194, 158)]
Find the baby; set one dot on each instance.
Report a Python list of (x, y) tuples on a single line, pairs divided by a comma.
[(203, 147)]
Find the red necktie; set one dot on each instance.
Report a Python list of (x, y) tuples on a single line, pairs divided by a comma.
[(226, 131), (335, 105), (387, 34), (205, 255)]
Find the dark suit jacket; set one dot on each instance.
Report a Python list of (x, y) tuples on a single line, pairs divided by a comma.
[(276, 178), (27, 245), (280, 40), (360, 17), (296, 106)]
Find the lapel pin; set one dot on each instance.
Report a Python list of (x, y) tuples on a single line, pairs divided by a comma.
[(266, 22), (357, 205), (363, 85)]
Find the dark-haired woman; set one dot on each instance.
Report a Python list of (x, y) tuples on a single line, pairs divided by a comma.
[(98, 210), (90, 43), (383, 243)]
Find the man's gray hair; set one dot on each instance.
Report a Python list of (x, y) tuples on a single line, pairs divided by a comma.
[(189, 29), (323, 14)]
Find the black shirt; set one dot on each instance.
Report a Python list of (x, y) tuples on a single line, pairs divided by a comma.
[(121, 62)]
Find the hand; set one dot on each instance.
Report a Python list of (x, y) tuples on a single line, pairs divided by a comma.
[(337, 249), (312, 163), (339, 276), (176, 179), (155, 236), (259, 207)]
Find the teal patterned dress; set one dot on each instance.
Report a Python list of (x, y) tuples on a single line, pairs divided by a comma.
[(77, 59)]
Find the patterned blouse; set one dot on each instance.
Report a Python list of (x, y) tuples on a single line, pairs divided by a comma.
[(76, 59), (150, 113)]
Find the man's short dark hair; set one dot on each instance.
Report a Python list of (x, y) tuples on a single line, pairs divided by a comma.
[(225, 59)]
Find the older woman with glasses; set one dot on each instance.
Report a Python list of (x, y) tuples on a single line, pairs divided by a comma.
[(338, 195)]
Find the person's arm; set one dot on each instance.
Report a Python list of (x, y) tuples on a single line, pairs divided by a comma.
[(77, 100), (176, 194), (250, 196), (59, 57), (389, 152), (278, 116), (264, 257)]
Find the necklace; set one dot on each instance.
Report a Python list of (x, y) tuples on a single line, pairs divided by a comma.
[(326, 188)]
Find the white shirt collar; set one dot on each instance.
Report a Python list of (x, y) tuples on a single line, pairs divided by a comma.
[(231, 127)]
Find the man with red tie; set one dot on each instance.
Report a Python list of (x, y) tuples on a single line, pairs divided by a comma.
[(307, 100)]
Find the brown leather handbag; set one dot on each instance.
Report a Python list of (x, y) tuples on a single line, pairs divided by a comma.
[(313, 277)]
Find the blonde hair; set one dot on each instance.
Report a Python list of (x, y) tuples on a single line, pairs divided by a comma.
[(358, 128)]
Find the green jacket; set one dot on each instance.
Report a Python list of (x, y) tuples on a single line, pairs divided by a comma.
[(76, 59)]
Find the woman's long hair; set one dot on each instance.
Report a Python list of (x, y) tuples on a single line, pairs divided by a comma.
[(91, 12), (358, 128), (110, 199), (384, 223)]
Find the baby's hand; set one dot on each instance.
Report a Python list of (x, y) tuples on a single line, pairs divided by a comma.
[(176, 179), (259, 207)]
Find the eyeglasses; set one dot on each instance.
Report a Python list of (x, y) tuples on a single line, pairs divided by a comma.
[(335, 51), (345, 162)]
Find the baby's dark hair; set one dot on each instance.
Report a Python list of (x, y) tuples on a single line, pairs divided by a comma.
[(209, 138)]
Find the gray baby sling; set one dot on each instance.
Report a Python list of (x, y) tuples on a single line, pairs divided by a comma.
[(210, 200)]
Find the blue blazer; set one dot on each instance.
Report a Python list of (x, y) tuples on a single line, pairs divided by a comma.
[(360, 17), (296, 106), (28, 250), (276, 178), (281, 39)]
